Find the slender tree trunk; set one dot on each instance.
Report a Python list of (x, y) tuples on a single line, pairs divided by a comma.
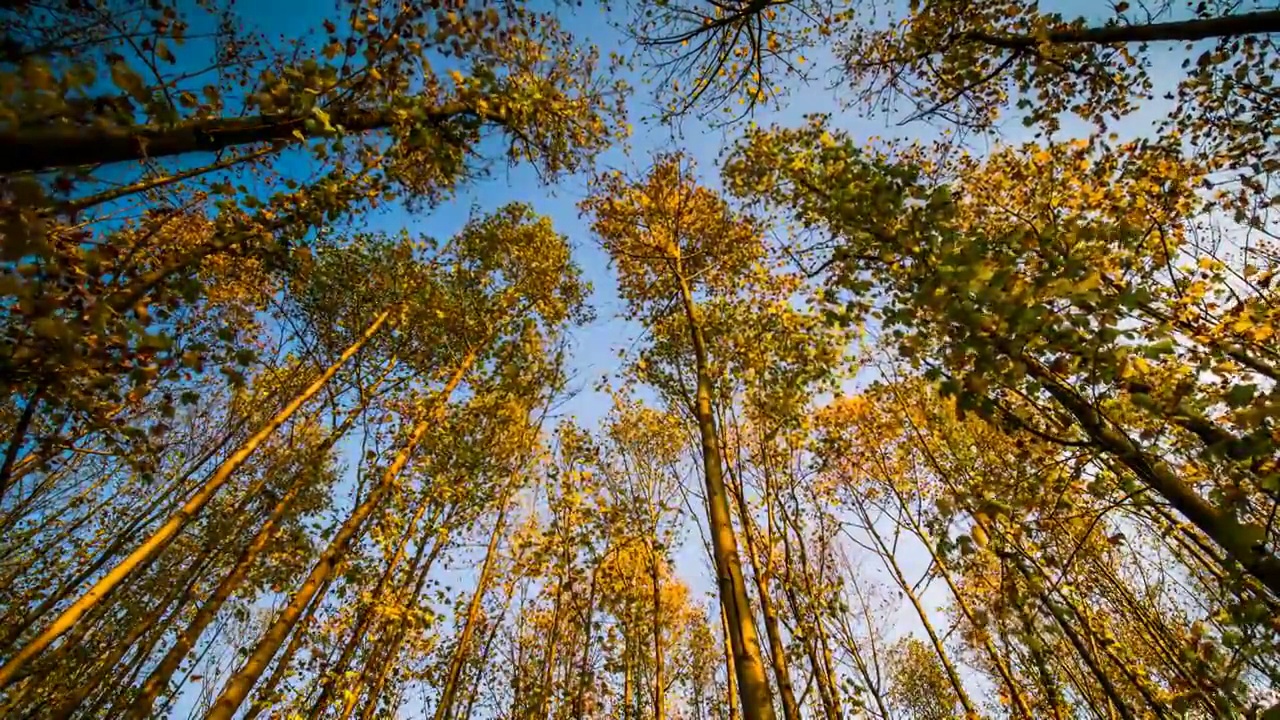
[(18, 437), (807, 619), (1068, 629), (158, 681), (891, 563), (584, 682), (122, 539), (777, 649), (178, 596), (962, 603), (1225, 531), (552, 640), (753, 686), (1126, 668), (730, 675), (266, 693), (490, 636), (367, 614), (379, 668), (628, 661), (161, 538), (238, 687), (444, 708), (659, 690)]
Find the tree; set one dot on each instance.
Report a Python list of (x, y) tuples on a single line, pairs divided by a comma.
[(670, 240)]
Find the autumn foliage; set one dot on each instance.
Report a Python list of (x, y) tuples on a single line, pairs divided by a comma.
[(977, 421)]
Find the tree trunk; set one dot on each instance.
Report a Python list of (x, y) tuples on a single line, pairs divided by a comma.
[(753, 686), (56, 146), (391, 650), (777, 649), (238, 687), (158, 681), (161, 538), (891, 563), (444, 708), (266, 692), (1229, 534), (367, 614), (1073, 637), (1262, 22), (730, 675), (1002, 668), (1035, 647), (178, 596), (659, 690)]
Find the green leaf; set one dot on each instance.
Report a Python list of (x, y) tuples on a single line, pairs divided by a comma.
[(1241, 395)]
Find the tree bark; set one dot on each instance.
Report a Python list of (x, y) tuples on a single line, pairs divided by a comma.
[(753, 686), (1255, 23), (444, 708), (777, 649), (56, 146), (161, 538), (238, 687), (158, 681)]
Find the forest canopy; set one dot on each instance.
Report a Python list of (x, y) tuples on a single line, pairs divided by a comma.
[(471, 359)]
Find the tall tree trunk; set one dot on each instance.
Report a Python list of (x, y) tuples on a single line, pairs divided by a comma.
[(628, 672), (730, 675), (122, 539), (180, 593), (266, 693), (962, 603), (1069, 631), (161, 538), (1222, 528), (584, 681), (367, 614), (659, 689), (891, 563), (760, 571), (806, 618), (546, 685), (1049, 682), (490, 636), (753, 686), (158, 681), (444, 708), (238, 687), (378, 669)]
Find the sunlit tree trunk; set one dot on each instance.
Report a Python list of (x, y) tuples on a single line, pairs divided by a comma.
[(377, 669), (753, 686), (760, 571), (448, 693), (178, 596), (266, 693), (659, 689), (238, 687), (730, 676), (360, 628), (891, 563), (161, 538), (160, 676), (962, 603)]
